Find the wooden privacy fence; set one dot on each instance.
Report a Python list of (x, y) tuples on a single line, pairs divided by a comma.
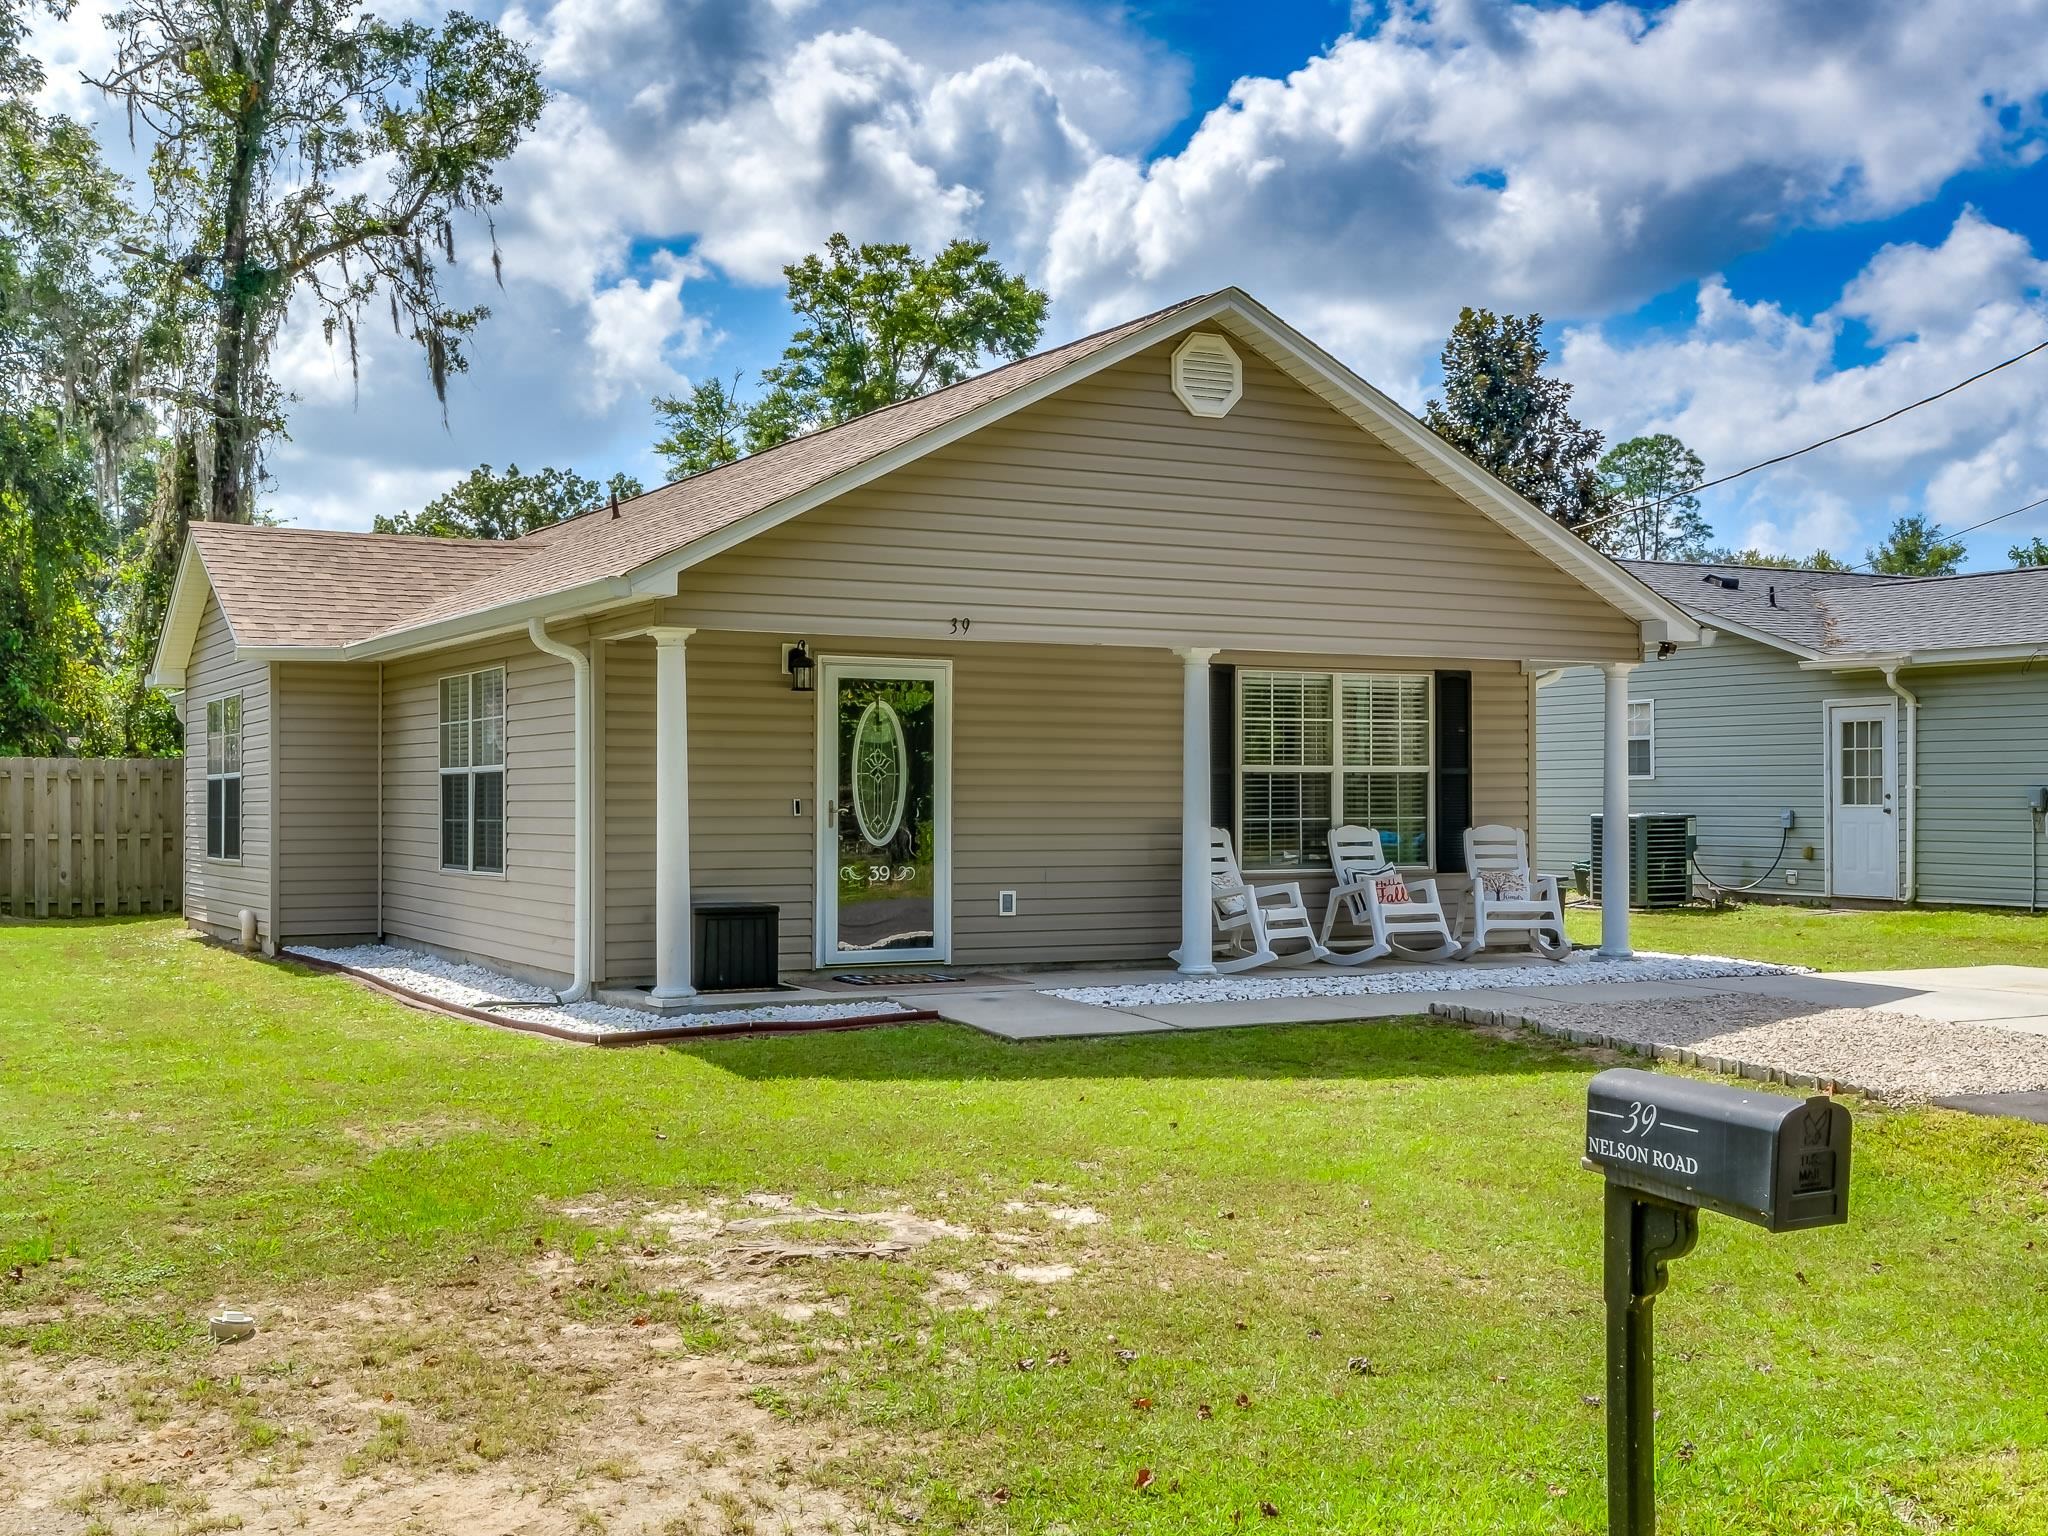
[(90, 836)]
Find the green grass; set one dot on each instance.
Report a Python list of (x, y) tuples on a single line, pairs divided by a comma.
[(1890, 940), (179, 1124)]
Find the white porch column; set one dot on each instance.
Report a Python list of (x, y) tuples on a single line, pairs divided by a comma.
[(1614, 817), (1196, 955), (672, 969)]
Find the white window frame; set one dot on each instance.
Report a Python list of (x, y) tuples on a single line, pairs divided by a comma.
[(217, 772), (1337, 770), (470, 770), (1649, 706)]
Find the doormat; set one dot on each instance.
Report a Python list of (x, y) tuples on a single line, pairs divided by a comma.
[(897, 978)]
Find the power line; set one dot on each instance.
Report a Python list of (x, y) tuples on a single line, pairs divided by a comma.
[(1940, 532), (1648, 506)]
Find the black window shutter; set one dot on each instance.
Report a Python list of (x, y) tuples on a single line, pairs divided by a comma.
[(1223, 749), (1453, 769)]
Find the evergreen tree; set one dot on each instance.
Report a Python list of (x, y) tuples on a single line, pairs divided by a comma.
[(1499, 409), (484, 504), (1915, 548), (1819, 560), (1652, 514)]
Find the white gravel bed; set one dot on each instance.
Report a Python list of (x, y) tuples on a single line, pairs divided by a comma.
[(1896, 1057), (479, 987), (1578, 967)]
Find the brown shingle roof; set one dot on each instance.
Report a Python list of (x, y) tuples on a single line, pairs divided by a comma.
[(313, 587), (310, 586), (596, 545)]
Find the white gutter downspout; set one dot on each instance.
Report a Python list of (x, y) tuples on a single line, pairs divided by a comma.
[(380, 802), (586, 844), (1912, 755)]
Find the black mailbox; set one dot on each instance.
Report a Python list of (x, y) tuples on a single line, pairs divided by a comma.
[(1761, 1157), (1670, 1146)]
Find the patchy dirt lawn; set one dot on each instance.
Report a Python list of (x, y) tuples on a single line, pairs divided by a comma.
[(491, 1407)]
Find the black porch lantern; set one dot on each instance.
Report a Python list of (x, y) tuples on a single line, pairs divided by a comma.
[(798, 660)]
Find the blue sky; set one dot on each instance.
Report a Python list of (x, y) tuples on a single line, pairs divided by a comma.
[(1749, 222)]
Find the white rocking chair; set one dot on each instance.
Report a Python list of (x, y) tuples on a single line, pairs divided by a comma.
[(1402, 917), (1250, 919), (1509, 901)]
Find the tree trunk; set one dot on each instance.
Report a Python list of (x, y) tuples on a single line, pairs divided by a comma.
[(244, 284)]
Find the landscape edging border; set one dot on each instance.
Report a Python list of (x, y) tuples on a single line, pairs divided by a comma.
[(1728, 1066), (656, 1035)]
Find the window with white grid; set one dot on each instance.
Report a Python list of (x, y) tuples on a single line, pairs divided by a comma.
[(1862, 762), (224, 778), (1642, 738), (1319, 748), (473, 771)]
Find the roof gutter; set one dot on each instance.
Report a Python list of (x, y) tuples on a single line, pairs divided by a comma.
[(573, 603), (586, 841), (1959, 656)]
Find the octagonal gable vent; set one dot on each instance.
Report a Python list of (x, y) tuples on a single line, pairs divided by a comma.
[(1207, 375)]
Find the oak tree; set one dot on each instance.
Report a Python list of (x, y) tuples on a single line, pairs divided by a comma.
[(877, 325)]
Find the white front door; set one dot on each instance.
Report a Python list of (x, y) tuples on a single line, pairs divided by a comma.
[(885, 818), (1863, 831)]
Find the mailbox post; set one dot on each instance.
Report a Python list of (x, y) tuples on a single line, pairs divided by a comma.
[(1671, 1147)]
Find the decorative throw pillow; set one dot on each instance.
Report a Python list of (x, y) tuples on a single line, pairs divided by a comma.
[(1391, 889), (1229, 895), (1506, 884)]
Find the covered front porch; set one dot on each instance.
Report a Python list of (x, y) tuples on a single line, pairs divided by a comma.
[(1029, 814)]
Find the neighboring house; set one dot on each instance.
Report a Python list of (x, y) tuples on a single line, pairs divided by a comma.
[(966, 679), (1903, 723)]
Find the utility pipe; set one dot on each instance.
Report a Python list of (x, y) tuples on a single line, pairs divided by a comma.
[(586, 842), (1912, 766)]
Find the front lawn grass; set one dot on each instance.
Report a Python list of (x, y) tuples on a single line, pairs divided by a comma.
[(1348, 1272), (1863, 940)]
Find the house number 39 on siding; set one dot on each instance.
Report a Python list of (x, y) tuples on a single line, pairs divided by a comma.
[(961, 626)]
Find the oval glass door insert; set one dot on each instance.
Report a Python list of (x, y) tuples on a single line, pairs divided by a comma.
[(881, 781)]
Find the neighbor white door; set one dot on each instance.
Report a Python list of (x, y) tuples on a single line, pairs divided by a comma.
[(1863, 827), (885, 822)]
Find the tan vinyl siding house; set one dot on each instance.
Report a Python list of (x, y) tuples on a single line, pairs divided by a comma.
[(325, 756), (1038, 572), (522, 916), (1109, 515), (218, 890)]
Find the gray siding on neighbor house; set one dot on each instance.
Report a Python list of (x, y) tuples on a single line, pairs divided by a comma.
[(1983, 752), (523, 919), (1066, 789), (326, 795), (217, 890), (1108, 514), (1738, 741)]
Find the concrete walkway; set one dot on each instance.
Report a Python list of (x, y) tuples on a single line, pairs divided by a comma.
[(2011, 1002), (2009, 997)]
